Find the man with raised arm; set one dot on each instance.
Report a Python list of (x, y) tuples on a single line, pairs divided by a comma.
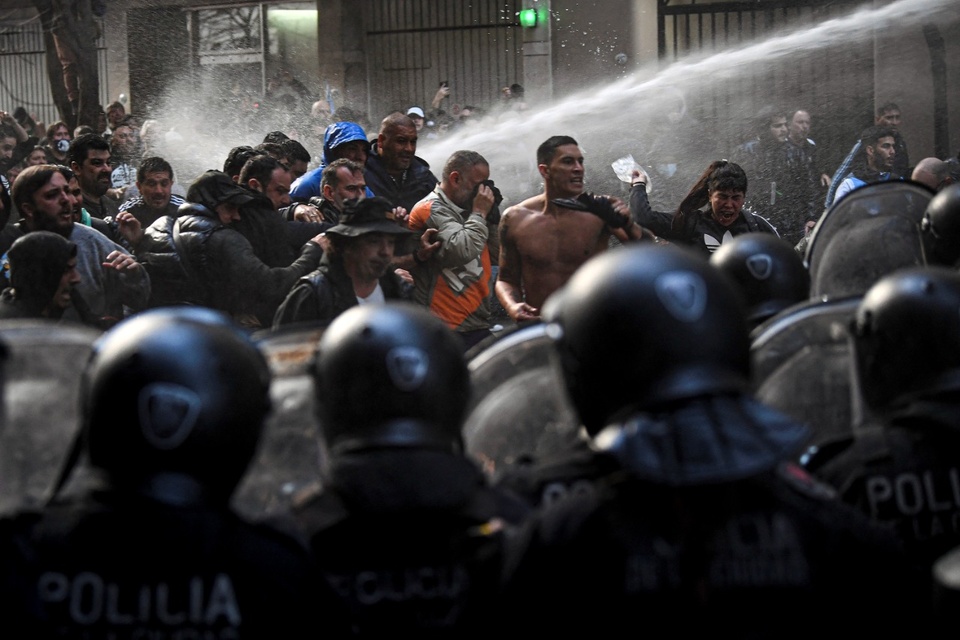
[(542, 242)]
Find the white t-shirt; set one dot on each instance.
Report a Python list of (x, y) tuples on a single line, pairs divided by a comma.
[(375, 297)]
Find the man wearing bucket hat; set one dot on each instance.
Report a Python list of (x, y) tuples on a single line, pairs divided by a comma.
[(356, 267)]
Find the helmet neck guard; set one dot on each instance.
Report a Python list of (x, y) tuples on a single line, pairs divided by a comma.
[(405, 434), (709, 440)]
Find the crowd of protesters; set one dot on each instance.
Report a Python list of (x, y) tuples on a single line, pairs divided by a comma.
[(685, 503)]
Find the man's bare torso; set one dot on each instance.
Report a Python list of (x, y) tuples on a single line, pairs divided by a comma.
[(550, 243)]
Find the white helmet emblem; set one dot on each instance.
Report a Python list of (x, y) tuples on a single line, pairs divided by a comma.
[(760, 266), (168, 413), (683, 294), (407, 367)]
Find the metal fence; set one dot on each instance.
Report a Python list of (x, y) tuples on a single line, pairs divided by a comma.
[(834, 82), (23, 70), (413, 45)]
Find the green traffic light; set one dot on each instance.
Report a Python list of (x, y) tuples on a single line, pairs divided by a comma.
[(528, 18)]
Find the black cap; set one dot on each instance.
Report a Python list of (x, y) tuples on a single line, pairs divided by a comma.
[(214, 188)]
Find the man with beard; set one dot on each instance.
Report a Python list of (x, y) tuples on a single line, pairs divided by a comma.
[(341, 182), (393, 170), (355, 268), (876, 160), (43, 275), (889, 116), (90, 159), (112, 281), (268, 177), (125, 230), (263, 221), (454, 281), (542, 243), (156, 199)]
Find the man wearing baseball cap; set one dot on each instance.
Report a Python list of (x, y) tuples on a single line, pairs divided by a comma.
[(416, 114), (356, 268)]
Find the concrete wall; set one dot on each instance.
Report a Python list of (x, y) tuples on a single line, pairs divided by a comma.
[(115, 34), (903, 75), (586, 38), (342, 59)]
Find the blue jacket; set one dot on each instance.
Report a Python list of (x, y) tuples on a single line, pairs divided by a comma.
[(338, 133)]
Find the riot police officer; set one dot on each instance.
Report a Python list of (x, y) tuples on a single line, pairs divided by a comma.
[(174, 401), (406, 528), (768, 272), (903, 467), (940, 228), (704, 525)]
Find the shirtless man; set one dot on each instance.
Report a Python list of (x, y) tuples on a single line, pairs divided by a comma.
[(542, 244)]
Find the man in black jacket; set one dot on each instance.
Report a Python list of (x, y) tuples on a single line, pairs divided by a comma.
[(269, 221), (355, 269), (405, 527), (393, 170), (218, 263)]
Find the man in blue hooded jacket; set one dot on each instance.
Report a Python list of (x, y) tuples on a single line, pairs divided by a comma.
[(340, 140)]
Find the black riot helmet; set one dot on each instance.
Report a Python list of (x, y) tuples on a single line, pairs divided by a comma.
[(174, 401), (940, 228), (769, 272), (390, 375), (906, 336), (644, 325)]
